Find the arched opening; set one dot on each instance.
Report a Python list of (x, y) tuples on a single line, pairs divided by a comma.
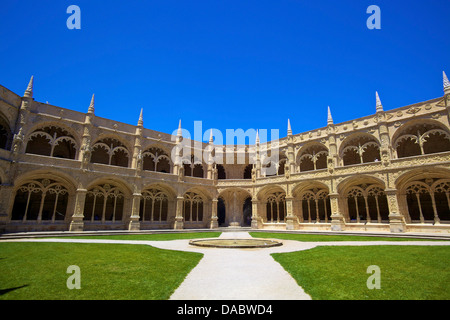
[(421, 138), (53, 142), (221, 212), (315, 206), (104, 203), (154, 206), (428, 200), (313, 157), (41, 199), (111, 152), (197, 171), (367, 203), (156, 159), (5, 134), (193, 207), (276, 207), (221, 174), (247, 212), (360, 149), (248, 171)]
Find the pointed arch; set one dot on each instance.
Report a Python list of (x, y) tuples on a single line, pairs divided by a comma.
[(52, 141), (110, 151), (359, 148), (421, 137)]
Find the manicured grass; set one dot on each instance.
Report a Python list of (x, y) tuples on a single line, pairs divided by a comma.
[(324, 237), (152, 237), (108, 271), (340, 273)]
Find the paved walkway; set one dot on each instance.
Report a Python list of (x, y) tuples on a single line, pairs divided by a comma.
[(238, 274)]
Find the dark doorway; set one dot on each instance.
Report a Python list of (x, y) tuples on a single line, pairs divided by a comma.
[(221, 212), (247, 212)]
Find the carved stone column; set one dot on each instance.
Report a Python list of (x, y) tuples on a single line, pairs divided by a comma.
[(6, 202), (256, 220), (214, 218), (396, 221), (337, 219), (77, 223), (179, 221), (291, 221), (134, 223)]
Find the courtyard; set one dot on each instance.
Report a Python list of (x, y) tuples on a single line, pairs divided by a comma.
[(164, 266)]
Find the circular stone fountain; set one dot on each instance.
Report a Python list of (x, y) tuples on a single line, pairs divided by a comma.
[(235, 243)]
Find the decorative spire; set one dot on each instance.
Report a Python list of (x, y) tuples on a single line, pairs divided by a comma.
[(179, 132), (379, 107), (257, 138), (446, 83), (329, 118), (211, 140), (29, 92), (289, 129), (92, 105), (141, 119)]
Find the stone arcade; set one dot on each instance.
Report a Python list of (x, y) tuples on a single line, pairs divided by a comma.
[(66, 170)]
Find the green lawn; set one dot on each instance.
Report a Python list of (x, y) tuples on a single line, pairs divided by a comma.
[(323, 237), (108, 271), (340, 273)]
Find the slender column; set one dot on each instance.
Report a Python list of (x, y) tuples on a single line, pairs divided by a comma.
[(77, 223), (93, 208), (278, 211), (433, 202), (325, 209), (153, 210), (179, 221), (357, 209), (54, 207), (39, 218), (105, 196), (378, 209), (367, 209), (317, 210), (422, 219), (26, 207), (309, 211)]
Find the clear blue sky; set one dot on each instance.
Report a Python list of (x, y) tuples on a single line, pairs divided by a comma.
[(231, 64)]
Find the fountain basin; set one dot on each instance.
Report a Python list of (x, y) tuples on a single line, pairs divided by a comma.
[(236, 243)]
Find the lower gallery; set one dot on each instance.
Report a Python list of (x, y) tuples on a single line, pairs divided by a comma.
[(62, 170)]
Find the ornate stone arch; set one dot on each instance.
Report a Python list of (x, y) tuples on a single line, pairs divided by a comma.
[(358, 148), (110, 150), (42, 195), (52, 140), (312, 156), (418, 137), (157, 159)]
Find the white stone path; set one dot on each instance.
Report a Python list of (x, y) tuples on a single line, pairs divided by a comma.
[(239, 274)]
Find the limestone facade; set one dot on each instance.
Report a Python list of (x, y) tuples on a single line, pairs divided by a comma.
[(65, 170)]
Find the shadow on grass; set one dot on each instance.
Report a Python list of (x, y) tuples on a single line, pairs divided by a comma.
[(4, 291)]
